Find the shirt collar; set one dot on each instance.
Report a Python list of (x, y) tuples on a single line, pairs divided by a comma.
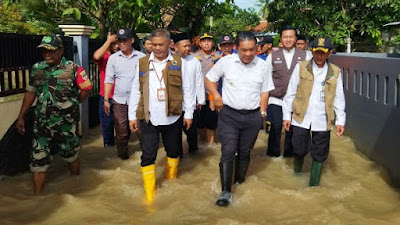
[(169, 57), (236, 58), (290, 51), (133, 54)]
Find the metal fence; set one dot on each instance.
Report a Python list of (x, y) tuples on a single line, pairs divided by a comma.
[(18, 53), (372, 89)]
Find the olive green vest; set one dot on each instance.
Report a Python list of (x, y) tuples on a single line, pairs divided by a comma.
[(172, 77), (300, 102)]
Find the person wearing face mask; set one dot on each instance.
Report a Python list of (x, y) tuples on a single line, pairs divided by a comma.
[(281, 64)]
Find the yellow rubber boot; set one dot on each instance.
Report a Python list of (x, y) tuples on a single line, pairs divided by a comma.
[(172, 168), (149, 181)]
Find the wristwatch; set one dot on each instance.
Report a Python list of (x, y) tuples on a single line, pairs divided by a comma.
[(106, 100), (263, 113)]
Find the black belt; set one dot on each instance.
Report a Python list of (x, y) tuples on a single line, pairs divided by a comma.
[(243, 111)]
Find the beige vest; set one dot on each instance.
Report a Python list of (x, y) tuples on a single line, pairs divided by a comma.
[(300, 102), (172, 75)]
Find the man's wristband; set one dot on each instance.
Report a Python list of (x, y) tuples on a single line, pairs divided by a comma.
[(263, 113), (106, 100)]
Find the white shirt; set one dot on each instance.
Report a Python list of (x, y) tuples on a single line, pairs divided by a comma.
[(315, 116), (157, 109), (122, 69), (242, 83), (193, 67), (288, 58)]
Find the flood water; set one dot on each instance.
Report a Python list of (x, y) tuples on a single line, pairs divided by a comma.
[(353, 190)]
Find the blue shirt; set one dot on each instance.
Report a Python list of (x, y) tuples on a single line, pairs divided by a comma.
[(263, 56)]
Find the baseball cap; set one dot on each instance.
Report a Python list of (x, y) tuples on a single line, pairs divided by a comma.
[(179, 37), (321, 44), (225, 39), (51, 42), (124, 33), (266, 40), (206, 35)]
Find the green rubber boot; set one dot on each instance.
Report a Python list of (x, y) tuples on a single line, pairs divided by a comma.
[(316, 168), (298, 165)]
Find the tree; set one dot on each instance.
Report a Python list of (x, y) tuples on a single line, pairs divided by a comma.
[(339, 19), (263, 12)]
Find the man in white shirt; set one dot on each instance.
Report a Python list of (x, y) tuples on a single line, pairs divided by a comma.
[(193, 66), (242, 108), (281, 64), (120, 72), (313, 104), (164, 90)]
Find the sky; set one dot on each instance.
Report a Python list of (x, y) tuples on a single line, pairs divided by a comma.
[(245, 4)]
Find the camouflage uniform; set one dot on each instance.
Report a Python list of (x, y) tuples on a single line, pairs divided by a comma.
[(57, 111)]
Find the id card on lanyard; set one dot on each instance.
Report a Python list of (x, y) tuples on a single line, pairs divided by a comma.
[(322, 93), (161, 92)]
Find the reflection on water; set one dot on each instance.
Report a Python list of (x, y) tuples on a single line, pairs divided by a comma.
[(353, 190)]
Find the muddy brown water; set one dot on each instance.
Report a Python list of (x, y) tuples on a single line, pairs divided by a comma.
[(353, 190)]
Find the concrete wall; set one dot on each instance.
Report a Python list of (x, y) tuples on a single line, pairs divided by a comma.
[(372, 90), (9, 110)]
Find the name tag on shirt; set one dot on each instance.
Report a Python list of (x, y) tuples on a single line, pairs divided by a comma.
[(322, 96), (277, 62), (161, 94)]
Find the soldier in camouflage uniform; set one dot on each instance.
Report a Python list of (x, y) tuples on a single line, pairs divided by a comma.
[(59, 86)]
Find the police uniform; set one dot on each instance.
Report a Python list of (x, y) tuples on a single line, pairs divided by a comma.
[(314, 102), (240, 119), (57, 108), (208, 118)]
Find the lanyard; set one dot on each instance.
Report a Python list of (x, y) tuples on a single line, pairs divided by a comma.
[(155, 71)]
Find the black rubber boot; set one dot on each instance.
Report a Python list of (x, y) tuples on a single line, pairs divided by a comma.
[(241, 167), (123, 151), (226, 172)]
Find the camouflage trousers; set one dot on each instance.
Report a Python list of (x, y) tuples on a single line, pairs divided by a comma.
[(60, 137)]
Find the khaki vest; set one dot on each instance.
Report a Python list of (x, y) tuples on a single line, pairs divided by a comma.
[(280, 73), (300, 102), (172, 77)]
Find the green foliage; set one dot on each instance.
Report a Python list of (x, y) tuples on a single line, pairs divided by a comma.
[(360, 19)]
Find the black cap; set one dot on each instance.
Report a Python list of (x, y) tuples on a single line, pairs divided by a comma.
[(124, 33), (302, 37), (225, 39), (51, 42), (177, 37), (206, 35), (268, 39), (321, 44)]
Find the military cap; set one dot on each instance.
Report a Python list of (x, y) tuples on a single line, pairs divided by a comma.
[(177, 37), (206, 35), (321, 44), (51, 42), (124, 33), (266, 40), (225, 39)]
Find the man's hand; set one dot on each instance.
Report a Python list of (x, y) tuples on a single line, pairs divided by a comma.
[(187, 123), (20, 125), (286, 124), (134, 125), (211, 105), (218, 103), (339, 130), (111, 38), (198, 106), (107, 108)]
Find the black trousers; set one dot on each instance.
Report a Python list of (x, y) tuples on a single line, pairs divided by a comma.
[(238, 131), (191, 134), (305, 141), (171, 136), (275, 116)]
